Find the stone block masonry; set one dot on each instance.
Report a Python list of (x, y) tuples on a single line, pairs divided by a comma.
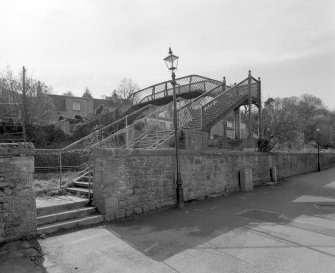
[(128, 182), (17, 199)]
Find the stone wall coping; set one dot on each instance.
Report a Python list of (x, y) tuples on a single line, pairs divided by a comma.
[(171, 152), (195, 132), (16, 149), (48, 151)]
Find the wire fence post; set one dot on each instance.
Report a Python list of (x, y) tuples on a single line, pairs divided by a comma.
[(24, 117), (90, 174), (60, 169)]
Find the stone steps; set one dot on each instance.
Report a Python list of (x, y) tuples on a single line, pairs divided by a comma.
[(149, 139), (41, 211), (70, 224), (85, 178), (79, 190), (67, 216), (153, 139), (79, 184)]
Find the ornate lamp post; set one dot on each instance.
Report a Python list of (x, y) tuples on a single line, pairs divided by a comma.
[(318, 130), (171, 62)]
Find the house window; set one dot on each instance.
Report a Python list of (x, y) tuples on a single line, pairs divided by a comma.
[(76, 106)]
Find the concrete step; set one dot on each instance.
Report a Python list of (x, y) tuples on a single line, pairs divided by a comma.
[(77, 190), (41, 211), (65, 215), (80, 184), (70, 224), (85, 178)]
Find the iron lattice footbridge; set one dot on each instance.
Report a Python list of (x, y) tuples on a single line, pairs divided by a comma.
[(155, 130), (147, 123)]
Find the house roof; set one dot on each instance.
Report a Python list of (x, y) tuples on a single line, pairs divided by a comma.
[(105, 103)]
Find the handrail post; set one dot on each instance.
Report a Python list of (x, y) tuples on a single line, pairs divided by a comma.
[(90, 174), (189, 86), (201, 118), (224, 84), (60, 168), (259, 109), (249, 104)]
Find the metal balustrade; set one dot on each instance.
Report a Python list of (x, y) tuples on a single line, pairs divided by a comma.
[(206, 109), (183, 85), (159, 120), (157, 125), (111, 128), (75, 156)]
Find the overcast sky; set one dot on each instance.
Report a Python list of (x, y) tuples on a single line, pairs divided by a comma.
[(71, 44)]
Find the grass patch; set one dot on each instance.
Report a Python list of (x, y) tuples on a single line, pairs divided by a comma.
[(49, 184)]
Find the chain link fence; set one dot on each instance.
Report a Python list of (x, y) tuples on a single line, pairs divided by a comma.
[(56, 168)]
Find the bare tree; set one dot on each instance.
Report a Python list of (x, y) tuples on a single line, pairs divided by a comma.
[(285, 120), (38, 108), (126, 88), (280, 122)]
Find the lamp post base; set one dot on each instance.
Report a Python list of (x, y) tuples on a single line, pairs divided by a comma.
[(180, 192), (319, 167)]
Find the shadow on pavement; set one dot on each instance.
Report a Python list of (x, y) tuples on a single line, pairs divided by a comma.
[(163, 234), (21, 256)]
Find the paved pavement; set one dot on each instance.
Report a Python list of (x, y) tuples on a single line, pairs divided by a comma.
[(288, 227)]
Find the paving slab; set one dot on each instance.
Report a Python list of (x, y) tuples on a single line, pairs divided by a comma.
[(96, 250)]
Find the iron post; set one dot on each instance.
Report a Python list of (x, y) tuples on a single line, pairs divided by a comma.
[(318, 130), (171, 62), (178, 181)]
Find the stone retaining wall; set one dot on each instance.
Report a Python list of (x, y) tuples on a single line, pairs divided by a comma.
[(17, 199), (136, 181)]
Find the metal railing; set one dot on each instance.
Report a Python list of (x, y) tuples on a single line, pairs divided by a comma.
[(159, 120), (69, 162), (184, 84), (111, 128), (227, 101), (129, 131), (200, 111)]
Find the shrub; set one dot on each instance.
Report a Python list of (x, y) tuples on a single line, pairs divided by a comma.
[(46, 136), (99, 109), (264, 145)]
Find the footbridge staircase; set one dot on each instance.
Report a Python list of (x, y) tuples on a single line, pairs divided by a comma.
[(126, 127), (187, 87), (201, 113), (205, 110), (148, 124)]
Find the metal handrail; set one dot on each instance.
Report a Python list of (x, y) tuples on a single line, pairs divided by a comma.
[(129, 127), (98, 132), (163, 86), (184, 113), (155, 95)]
